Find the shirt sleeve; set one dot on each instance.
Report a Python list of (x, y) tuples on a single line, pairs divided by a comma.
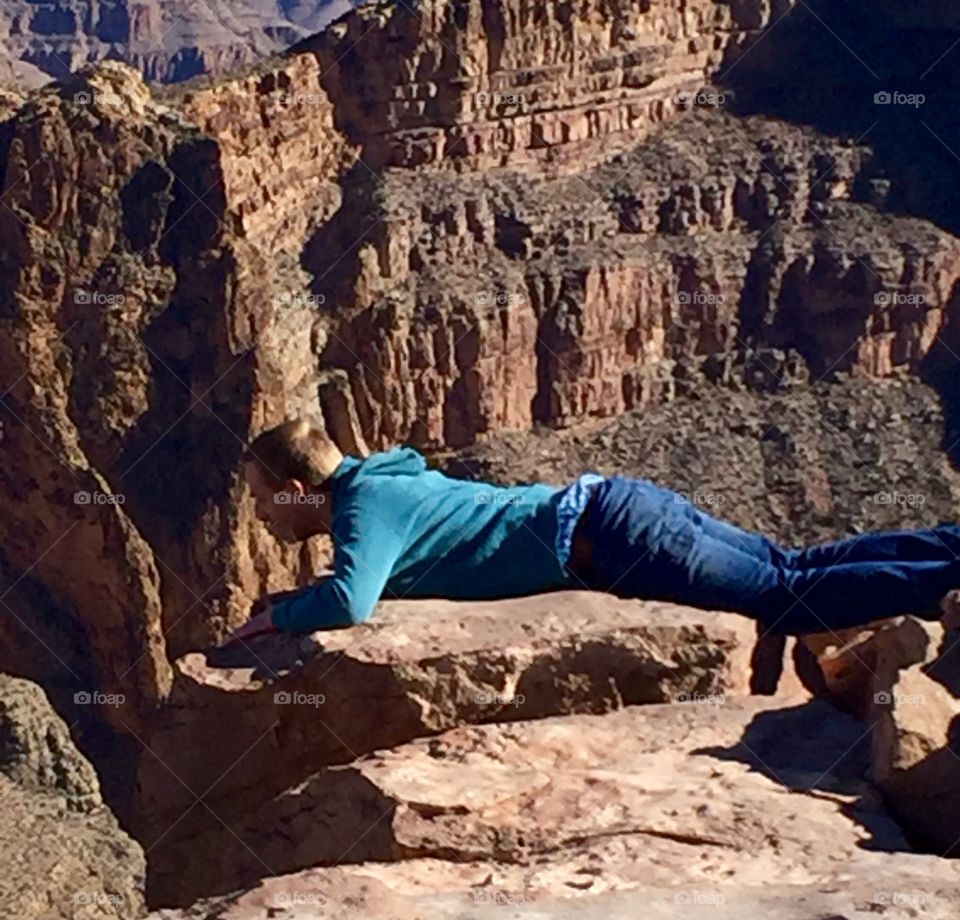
[(364, 555)]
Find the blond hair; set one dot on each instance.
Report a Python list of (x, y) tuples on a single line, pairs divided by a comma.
[(297, 449)]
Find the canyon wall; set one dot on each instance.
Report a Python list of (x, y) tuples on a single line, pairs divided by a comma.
[(437, 227)]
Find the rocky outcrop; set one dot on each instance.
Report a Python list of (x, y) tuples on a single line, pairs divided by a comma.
[(62, 853), (915, 712), (36, 750), (900, 676), (236, 733), (745, 808), (916, 759), (505, 84)]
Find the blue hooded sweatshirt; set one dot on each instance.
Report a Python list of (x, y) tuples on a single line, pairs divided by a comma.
[(403, 530)]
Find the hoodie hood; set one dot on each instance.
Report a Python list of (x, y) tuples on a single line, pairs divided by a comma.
[(398, 461)]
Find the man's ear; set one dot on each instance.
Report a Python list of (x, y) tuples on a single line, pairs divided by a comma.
[(295, 487)]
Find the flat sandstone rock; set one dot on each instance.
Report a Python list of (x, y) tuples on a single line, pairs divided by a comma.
[(243, 734), (655, 811)]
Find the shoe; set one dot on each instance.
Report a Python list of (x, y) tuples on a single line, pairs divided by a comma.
[(950, 608)]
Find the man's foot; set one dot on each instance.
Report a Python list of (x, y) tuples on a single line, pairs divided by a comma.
[(950, 608)]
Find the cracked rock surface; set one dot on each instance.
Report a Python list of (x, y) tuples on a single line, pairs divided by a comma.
[(755, 807), (241, 735)]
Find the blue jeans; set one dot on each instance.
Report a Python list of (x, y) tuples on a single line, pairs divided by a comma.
[(649, 542)]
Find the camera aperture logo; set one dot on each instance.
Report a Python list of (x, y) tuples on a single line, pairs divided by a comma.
[(893, 698), (497, 896), (699, 498), (704, 699), (99, 898), (700, 898), (287, 899), (910, 898)]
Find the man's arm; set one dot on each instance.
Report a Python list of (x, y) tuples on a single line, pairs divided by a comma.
[(365, 551)]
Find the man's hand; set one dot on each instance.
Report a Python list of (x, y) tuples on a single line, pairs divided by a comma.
[(260, 624)]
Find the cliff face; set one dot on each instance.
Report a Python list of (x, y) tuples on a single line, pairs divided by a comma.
[(444, 225)]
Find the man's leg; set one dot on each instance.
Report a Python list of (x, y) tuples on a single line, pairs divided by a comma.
[(647, 545), (795, 601), (747, 541), (934, 544)]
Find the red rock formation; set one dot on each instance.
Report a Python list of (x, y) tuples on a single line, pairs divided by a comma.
[(366, 220)]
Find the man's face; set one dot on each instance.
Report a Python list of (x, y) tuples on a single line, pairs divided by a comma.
[(288, 519)]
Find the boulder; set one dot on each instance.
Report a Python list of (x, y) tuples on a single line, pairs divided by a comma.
[(236, 733), (916, 758), (851, 661), (62, 854), (36, 750)]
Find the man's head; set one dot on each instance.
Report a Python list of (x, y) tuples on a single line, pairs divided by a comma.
[(288, 469)]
